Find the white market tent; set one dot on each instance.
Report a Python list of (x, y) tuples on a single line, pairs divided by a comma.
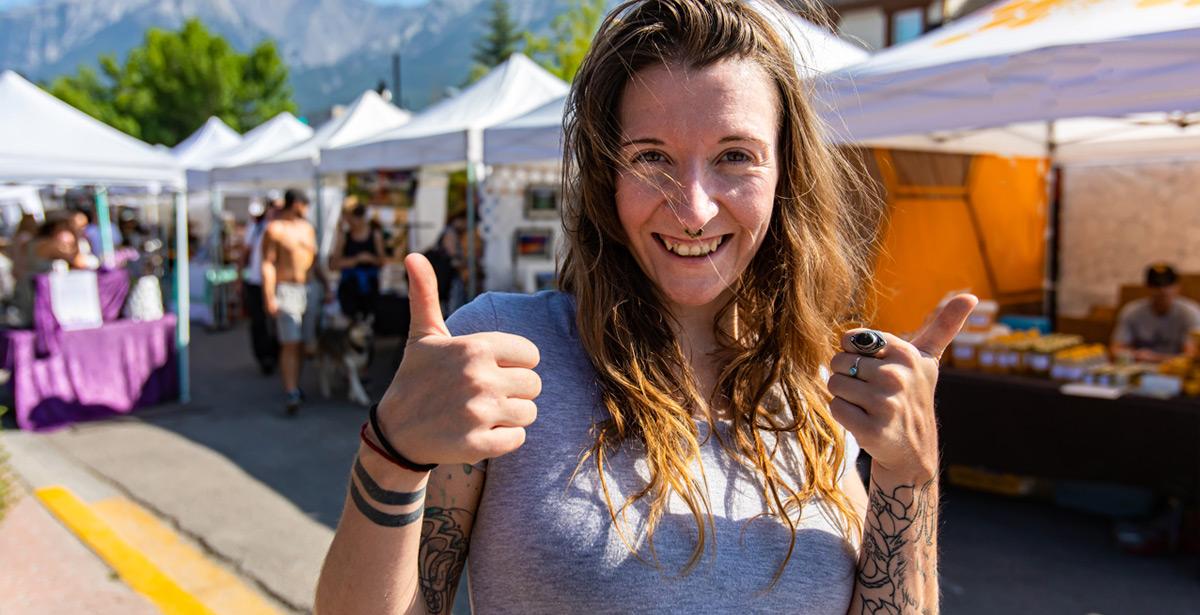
[(1026, 61), (1076, 82), (450, 132), (1092, 140), (367, 116), (537, 135), (272, 137), (198, 152), (44, 141)]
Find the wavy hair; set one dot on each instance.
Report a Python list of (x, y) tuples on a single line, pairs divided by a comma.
[(806, 282)]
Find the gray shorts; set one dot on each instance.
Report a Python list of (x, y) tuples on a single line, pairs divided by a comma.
[(299, 306)]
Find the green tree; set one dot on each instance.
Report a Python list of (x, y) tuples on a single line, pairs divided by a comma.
[(572, 33), (502, 40), (174, 81)]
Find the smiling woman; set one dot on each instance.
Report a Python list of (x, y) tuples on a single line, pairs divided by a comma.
[(659, 435)]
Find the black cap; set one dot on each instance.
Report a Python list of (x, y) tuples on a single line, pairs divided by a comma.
[(1159, 275)]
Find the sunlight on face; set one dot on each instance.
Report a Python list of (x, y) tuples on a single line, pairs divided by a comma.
[(699, 147)]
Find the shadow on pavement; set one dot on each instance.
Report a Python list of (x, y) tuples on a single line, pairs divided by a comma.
[(238, 412)]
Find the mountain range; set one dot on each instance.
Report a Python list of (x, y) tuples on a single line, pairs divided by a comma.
[(334, 48)]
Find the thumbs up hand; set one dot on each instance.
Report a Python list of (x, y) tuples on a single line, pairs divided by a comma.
[(888, 404), (457, 399)]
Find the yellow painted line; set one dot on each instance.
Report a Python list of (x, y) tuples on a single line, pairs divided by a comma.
[(133, 567), (215, 587)]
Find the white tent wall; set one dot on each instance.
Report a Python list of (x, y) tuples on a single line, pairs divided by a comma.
[(502, 213), (1116, 220), (428, 215)]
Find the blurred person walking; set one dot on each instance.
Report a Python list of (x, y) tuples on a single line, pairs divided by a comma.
[(359, 255), (292, 294), (263, 342)]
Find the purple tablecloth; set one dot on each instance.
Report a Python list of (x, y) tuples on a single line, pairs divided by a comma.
[(115, 369), (113, 285)]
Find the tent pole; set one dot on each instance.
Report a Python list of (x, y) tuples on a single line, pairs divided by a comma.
[(320, 225), (182, 297), (1053, 222), (471, 273), (103, 223)]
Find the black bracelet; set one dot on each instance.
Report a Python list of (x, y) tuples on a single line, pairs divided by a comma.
[(391, 450)]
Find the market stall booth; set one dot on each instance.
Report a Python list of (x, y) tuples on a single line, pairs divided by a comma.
[(214, 275), (1029, 78), (446, 137), (81, 360), (297, 165)]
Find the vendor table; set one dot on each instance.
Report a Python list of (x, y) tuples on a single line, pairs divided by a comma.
[(1025, 425), (113, 369)]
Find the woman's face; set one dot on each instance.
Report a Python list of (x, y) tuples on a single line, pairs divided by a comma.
[(699, 149)]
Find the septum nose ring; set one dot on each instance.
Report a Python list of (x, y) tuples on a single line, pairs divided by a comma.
[(693, 234)]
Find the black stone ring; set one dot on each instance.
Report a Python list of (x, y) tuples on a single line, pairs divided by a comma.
[(868, 342)]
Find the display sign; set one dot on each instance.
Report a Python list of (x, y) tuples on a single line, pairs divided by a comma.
[(75, 300), (534, 243), (541, 202)]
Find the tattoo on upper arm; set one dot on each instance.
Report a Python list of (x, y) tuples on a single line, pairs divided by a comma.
[(443, 553), (905, 516), (379, 495)]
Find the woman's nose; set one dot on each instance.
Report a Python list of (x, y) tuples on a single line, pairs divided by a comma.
[(694, 205)]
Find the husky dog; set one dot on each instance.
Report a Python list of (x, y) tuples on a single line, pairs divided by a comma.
[(345, 347)]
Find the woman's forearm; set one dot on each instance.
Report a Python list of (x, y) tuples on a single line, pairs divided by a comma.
[(372, 564), (897, 567)]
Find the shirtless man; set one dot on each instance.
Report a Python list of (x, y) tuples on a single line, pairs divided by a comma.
[(292, 291)]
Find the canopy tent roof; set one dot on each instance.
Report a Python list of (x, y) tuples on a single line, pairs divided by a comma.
[(197, 152), (1026, 60), (451, 130), (202, 147), (272, 137), (46, 141), (537, 135), (368, 115), (1091, 140)]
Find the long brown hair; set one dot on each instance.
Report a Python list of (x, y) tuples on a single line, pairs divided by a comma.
[(804, 284)]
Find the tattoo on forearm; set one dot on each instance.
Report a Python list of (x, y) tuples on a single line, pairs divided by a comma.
[(383, 496), (904, 517), (443, 553), (379, 495)]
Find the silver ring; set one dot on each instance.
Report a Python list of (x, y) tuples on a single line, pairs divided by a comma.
[(693, 235), (854, 368), (868, 342)]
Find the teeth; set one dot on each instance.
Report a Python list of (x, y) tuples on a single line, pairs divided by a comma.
[(694, 249)]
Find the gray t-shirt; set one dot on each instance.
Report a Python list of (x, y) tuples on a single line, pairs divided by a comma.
[(1141, 328), (543, 543)]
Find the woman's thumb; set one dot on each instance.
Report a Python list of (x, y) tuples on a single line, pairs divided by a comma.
[(423, 299)]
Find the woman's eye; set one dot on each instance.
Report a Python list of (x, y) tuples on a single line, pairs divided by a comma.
[(735, 156), (649, 157)]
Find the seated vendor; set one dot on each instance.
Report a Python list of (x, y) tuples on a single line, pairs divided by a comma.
[(1157, 327)]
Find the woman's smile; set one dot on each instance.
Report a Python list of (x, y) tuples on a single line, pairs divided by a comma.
[(692, 248)]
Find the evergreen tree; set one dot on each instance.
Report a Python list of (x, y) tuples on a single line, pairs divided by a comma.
[(501, 40), (175, 81)]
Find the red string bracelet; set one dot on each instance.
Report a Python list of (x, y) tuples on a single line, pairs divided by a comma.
[(403, 463)]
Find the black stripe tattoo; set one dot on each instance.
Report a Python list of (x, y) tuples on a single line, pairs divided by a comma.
[(378, 517), (383, 496)]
